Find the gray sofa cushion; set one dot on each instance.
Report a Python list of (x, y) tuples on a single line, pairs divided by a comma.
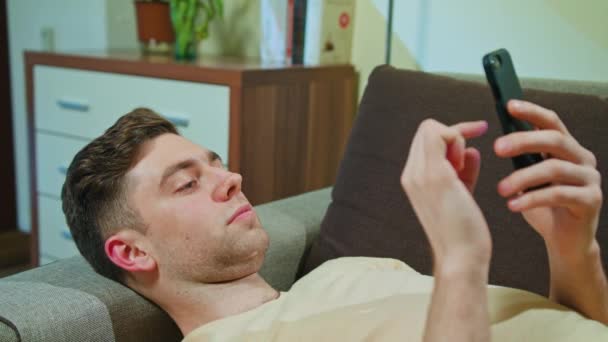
[(370, 214), (68, 301), (8, 333), (34, 305), (292, 224), (67, 298)]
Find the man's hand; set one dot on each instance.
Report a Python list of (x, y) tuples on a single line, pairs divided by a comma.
[(439, 177), (566, 212)]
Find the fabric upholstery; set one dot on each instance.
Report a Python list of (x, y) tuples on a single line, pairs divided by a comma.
[(34, 307), (131, 316), (292, 225), (8, 332), (599, 89), (370, 215)]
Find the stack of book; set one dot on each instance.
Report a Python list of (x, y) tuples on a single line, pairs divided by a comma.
[(307, 31)]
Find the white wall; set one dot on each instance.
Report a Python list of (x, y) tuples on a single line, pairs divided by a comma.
[(77, 25), (547, 38)]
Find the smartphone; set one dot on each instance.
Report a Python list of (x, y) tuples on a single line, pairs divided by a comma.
[(505, 86)]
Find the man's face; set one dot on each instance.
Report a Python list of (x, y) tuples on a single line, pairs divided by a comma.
[(200, 226)]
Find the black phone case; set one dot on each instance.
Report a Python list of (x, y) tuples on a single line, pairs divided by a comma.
[(505, 86)]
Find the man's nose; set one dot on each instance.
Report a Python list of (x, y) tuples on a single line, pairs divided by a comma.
[(228, 187)]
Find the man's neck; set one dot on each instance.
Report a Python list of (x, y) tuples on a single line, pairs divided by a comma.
[(192, 305)]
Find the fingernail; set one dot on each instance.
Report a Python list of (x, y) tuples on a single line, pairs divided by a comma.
[(502, 145), (485, 125), (516, 104), (515, 204), (504, 187)]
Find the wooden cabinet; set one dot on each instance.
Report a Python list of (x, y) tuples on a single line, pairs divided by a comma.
[(282, 127)]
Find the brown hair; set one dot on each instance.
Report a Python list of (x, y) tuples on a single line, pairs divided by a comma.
[(94, 193)]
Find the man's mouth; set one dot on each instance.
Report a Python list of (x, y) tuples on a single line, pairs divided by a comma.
[(241, 212)]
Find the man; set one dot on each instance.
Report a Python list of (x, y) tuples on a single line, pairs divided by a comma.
[(160, 214)]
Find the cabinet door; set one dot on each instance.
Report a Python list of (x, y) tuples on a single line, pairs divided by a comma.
[(85, 103), (53, 156), (55, 238)]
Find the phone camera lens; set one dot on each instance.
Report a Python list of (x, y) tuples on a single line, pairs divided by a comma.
[(495, 62)]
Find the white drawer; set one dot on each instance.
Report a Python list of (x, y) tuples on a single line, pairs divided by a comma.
[(85, 103), (53, 156), (54, 235)]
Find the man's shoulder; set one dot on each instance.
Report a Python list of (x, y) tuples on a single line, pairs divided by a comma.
[(363, 271), (354, 264)]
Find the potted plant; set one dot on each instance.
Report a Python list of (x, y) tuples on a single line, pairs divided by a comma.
[(154, 30), (190, 20)]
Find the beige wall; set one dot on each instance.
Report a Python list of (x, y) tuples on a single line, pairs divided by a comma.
[(589, 18), (369, 43), (547, 38)]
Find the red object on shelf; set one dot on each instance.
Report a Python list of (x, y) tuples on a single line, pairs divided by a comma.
[(154, 22), (344, 20)]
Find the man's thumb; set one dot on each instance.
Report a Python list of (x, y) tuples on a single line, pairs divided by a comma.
[(469, 173)]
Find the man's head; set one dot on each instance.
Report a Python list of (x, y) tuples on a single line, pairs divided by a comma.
[(144, 204)]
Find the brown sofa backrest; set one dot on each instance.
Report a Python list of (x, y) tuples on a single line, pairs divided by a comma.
[(370, 215)]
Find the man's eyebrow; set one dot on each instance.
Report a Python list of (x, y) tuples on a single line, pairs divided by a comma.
[(212, 156), (184, 164), (172, 169)]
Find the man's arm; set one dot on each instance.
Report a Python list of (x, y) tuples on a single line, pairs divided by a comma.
[(580, 283), (459, 305), (566, 212), (438, 178)]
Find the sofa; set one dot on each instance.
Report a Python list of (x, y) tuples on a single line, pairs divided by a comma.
[(67, 301)]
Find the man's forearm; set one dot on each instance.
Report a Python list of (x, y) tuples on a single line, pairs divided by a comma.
[(459, 305), (580, 283)]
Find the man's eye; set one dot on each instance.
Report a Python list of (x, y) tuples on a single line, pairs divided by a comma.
[(188, 186)]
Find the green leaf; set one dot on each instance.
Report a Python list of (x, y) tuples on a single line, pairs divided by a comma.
[(219, 4)]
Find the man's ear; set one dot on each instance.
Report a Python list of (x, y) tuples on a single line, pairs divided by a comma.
[(127, 250)]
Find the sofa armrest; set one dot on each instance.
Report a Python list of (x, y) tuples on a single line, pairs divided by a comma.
[(292, 224), (7, 332)]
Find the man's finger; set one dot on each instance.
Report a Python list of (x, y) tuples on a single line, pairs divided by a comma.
[(471, 129), (552, 142), (470, 172), (455, 153), (564, 196), (538, 116), (548, 171), (436, 137)]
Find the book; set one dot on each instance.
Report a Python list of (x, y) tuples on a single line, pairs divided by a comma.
[(328, 31)]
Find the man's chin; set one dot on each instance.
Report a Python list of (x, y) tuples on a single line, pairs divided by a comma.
[(248, 266)]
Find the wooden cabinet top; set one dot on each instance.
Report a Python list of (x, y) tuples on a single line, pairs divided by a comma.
[(228, 71)]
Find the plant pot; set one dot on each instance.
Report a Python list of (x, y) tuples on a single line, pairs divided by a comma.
[(154, 29), (185, 49)]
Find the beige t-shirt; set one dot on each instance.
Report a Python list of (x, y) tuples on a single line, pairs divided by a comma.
[(374, 299)]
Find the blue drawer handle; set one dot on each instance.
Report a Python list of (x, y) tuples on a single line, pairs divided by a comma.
[(67, 235), (179, 121), (62, 169), (80, 106)]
